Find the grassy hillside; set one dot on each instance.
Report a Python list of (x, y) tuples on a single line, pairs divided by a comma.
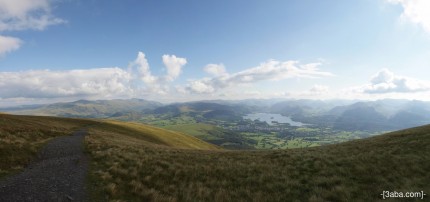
[(214, 135), (22, 136), (151, 136), (127, 169), (200, 130)]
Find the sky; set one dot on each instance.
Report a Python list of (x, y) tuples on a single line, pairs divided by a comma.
[(175, 51)]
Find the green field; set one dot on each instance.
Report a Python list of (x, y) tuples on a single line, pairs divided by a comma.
[(165, 120), (303, 136), (200, 130)]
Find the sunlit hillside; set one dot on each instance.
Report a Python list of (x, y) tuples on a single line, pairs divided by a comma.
[(22, 136)]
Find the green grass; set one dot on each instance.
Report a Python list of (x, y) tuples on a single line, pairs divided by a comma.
[(272, 141), (199, 130), (214, 135), (166, 120)]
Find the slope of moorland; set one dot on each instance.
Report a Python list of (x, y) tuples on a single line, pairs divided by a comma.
[(133, 162), (22, 136), (214, 135), (151, 136), (126, 168)]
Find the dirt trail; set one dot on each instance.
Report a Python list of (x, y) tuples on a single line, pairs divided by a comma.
[(58, 173)]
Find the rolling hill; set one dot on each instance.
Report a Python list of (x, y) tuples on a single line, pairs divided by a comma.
[(204, 109), (134, 162), (22, 136), (88, 109), (214, 135)]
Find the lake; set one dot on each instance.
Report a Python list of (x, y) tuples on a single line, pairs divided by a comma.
[(268, 118)]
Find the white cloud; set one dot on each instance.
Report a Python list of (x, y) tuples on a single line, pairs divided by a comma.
[(271, 70), (253, 93), (201, 86), (26, 14), (174, 66), (142, 66), (276, 70), (157, 84), (8, 44), (172, 63), (383, 76), (215, 69), (319, 89), (139, 81), (386, 81), (101, 83), (18, 15), (415, 11), (20, 8)]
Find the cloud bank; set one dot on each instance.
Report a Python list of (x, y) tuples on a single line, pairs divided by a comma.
[(386, 81), (268, 71), (215, 69), (102, 83), (319, 89), (26, 14), (139, 81)]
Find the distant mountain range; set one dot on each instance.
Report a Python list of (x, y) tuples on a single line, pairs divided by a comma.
[(209, 110), (377, 115), (381, 115), (86, 108)]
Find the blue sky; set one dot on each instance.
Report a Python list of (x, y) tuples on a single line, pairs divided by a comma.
[(63, 50)]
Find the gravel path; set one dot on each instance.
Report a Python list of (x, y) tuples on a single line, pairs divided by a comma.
[(58, 174)]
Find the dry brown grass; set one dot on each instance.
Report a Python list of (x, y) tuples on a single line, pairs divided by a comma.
[(22, 136), (155, 135), (127, 168)]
